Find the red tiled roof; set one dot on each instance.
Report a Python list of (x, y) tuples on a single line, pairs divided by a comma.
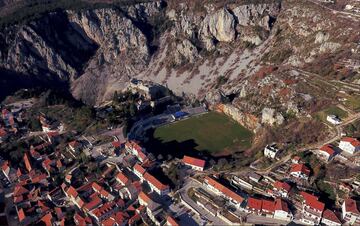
[(116, 144), (171, 221), (300, 168), (47, 219), (72, 192), (27, 162), (74, 144), (120, 203), (79, 220), (144, 197), (330, 215), (18, 172), (312, 201), (194, 161), (20, 190), (98, 212), (5, 166), (139, 168), (133, 145), (96, 187), (134, 219), (122, 178), (53, 134), (108, 222), (18, 199), (95, 201), (152, 180), (226, 191), (2, 132), (120, 217), (281, 205), (59, 212), (354, 142), (21, 215), (282, 186), (328, 149), (254, 203), (42, 206), (141, 155), (351, 206), (268, 206), (38, 178)]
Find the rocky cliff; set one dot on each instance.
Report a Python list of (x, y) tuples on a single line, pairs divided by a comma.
[(246, 53)]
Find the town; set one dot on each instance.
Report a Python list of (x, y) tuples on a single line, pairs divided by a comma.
[(62, 179)]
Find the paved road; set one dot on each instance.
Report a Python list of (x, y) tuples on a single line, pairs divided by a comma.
[(191, 183)]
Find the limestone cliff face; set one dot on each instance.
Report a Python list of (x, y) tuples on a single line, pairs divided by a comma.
[(241, 54), (219, 26)]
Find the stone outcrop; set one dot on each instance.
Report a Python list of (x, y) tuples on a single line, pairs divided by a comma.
[(219, 26), (271, 117), (248, 120)]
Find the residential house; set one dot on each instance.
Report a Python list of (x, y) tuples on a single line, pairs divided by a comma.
[(103, 212), (220, 189), (327, 152), (282, 211), (170, 221), (135, 149), (254, 205), (271, 151), (329, 218), (312, 209), (156, 185), (281, 189), (74, 146), (139, 171), (300, 171), (153, 209), (3, 135), (81, 221), (122, 179), (5, 169), (27, 162), (349, 145), (268, 208), (350, 212), (194, 163), (333, 119), (255, 177), (296, 160), (345, 187)]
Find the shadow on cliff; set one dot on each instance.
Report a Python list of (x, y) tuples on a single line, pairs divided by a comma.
[(11, 81)]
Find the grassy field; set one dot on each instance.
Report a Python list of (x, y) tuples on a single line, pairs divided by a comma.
[(353, 102), (212, 132), (333, 110)]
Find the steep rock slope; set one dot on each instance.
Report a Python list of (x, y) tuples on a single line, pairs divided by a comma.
[(243, 55)]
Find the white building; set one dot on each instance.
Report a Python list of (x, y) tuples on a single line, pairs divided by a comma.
[(270, 151), (350, 212), (349, 145), (281, 189), (223, 191), (139, 171), (312, 209), (326, 152), (333, 119), (156, 185), (282, 211), (300, 171), (194, 163)]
